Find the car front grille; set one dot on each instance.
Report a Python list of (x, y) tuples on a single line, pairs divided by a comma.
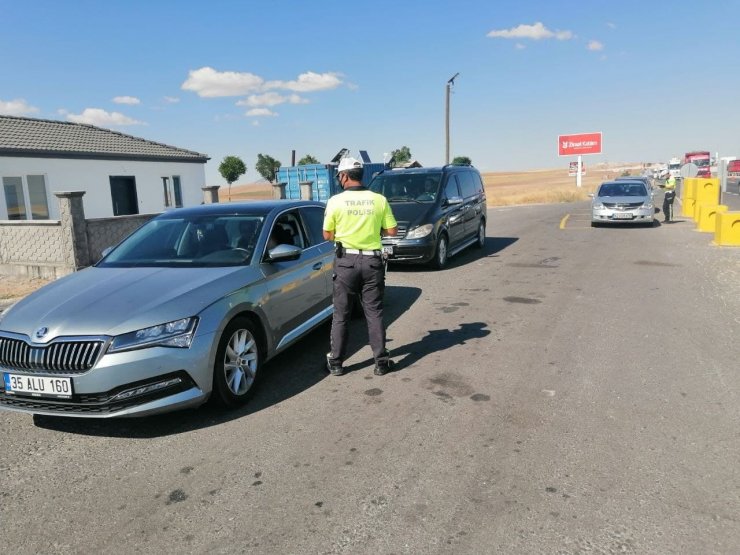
[(59, 357), (623, 205), (403, 227)]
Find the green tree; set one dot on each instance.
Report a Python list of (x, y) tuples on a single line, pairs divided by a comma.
[(231, 169), (308, 159), (462, 161), (267, 167), (399, 156)]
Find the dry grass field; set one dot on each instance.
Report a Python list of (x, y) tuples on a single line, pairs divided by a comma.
[(502, 188)]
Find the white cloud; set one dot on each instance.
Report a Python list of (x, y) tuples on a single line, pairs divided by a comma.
[(353, 86), (534, 32), (595, 45), (17, 107), (308, 82), (171, 99), (209, 83), (256, 123), (271, 99), (259, 112), (130, 100), (96, 116), (611, 25), (519, 46)]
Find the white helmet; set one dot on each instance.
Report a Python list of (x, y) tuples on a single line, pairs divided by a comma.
[(348, 163)]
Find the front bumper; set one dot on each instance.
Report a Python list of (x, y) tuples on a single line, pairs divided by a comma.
[(131, 383), (610, 215), (410, 250)]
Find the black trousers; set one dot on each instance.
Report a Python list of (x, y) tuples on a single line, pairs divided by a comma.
[(668, 205), (358, 277)]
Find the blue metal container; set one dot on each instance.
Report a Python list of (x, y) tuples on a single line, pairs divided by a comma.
[(322, 178)]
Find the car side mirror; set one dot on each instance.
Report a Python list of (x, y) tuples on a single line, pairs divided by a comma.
[(591, 195), (453, 201), (283, 253)]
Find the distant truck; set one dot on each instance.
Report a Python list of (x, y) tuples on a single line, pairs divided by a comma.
[(733, 176), (674, 167), (701, 159)]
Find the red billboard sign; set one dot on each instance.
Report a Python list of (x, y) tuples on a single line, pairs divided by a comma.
[(583, 143)]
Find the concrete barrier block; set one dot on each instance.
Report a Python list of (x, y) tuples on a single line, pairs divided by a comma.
[(708, 217), (727, 230)]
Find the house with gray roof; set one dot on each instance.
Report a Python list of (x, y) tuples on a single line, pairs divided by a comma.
[(120, 174)]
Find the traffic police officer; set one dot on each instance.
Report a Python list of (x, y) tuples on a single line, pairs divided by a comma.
[(670, 195), (354, 220)]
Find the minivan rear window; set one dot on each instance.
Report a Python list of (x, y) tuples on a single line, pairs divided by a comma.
[(468, 184)]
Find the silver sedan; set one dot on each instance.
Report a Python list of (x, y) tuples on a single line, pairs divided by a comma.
[(189, 307), (619, 202)]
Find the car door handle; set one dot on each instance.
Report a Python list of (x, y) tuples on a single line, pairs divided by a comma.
[(318, 266)]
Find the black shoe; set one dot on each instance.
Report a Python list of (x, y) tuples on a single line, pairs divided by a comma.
[(334, 368), (382, 367)]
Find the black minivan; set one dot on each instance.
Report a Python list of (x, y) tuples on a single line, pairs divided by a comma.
[(440, 211)]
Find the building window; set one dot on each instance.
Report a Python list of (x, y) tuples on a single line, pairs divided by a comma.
[(172, 192), (178, 190), (166, 188), (37, 197), (26, 199)]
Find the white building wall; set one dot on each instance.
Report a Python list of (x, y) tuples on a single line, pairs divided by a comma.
[(92, 176)]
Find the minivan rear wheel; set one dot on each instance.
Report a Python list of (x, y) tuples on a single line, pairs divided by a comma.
[(441, 253), (481, 242)]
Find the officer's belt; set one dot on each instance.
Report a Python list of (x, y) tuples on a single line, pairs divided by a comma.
[(362, 252)]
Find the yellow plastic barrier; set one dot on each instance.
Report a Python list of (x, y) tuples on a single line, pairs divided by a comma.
[(707, 221), (727, 231), (707, 191), (688, 196)]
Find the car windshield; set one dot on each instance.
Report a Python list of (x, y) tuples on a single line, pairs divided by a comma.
[(190, 242), (674, 166), (403, 187), (623, 189), (701, 162)]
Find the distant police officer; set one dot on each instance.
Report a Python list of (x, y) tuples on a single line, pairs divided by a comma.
[(668, 198), (354, 220)]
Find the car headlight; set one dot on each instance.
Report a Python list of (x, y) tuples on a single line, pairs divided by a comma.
[(597, 206), (419, 232), (178, 333)]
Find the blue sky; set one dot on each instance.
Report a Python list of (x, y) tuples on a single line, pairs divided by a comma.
[(658, 78)]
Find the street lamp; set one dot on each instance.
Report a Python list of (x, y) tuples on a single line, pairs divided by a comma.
[(450, 82)]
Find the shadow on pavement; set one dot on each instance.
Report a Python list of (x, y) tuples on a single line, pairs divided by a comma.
[(290, 373), (491, 248), (435, 340)]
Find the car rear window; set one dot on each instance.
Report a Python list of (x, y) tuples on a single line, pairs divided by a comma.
[(733, 166)]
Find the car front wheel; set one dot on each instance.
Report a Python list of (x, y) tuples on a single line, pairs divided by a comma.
[(238, 362), (440, 255)]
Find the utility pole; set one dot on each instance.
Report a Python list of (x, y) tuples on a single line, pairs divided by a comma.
[(450, 82)]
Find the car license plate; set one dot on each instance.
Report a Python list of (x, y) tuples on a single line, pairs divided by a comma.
[(622, 216), (38, 386), (388, 250)]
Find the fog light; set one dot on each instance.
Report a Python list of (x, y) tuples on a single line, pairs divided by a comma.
[(144, 389)]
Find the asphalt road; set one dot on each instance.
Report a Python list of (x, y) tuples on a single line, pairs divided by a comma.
[(566, 390)]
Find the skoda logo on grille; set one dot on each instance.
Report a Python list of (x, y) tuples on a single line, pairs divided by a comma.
[(41, 332)]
